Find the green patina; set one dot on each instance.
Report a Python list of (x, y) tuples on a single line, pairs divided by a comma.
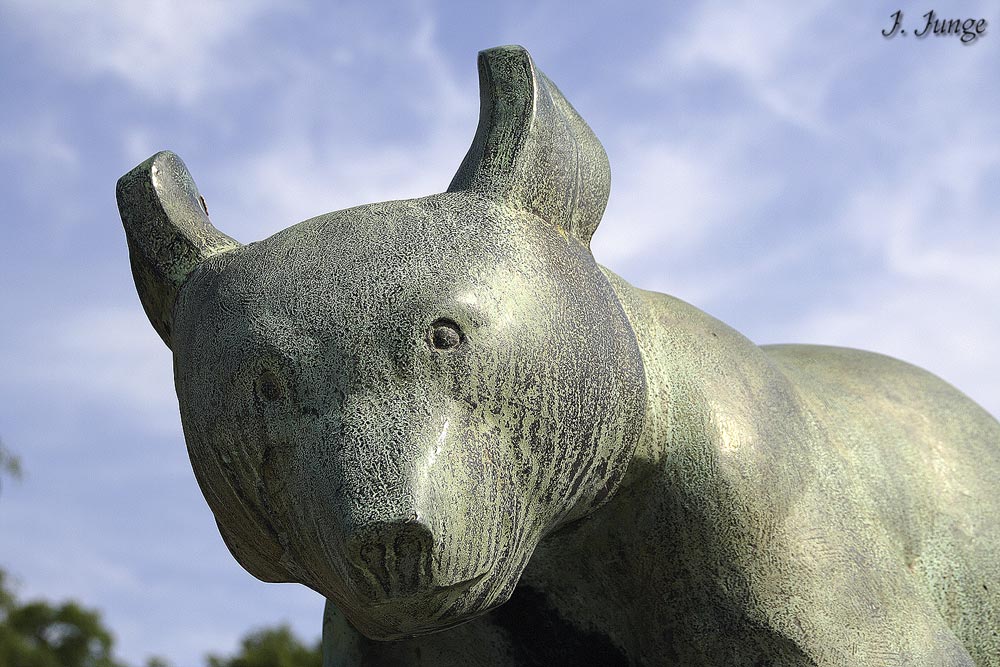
[(425, 409)]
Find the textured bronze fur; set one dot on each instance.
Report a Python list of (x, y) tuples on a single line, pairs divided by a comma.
[(423, 409)]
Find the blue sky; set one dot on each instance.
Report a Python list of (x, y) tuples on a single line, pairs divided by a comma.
[(782, 166)]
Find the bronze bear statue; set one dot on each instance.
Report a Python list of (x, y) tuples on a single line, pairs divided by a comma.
[(484, 448)]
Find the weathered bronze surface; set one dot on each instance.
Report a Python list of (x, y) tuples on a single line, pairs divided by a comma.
[(426, 409)]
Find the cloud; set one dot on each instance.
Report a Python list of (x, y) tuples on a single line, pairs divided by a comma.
[(164, 50), (670, 201), (931, 228), (399, 141), (289, 181), (97, 357), (777, 51), (38, 141), (950, 332), (39, 158), (925, 219)]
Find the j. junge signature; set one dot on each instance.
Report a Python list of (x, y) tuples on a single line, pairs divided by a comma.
[(967, 30)]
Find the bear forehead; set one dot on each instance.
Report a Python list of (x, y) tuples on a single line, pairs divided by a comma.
[(387, 259), (388, 269), (382, 249)]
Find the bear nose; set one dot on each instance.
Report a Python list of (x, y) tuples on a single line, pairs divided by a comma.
[(393, 556)]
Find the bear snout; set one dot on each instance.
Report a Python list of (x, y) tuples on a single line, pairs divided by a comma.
[(393, 558)]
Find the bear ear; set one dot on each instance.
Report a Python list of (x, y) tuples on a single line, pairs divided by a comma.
[(168, 232), (532, 150)]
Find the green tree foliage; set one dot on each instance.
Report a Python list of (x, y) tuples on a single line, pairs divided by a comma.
[(10, 464), (271, 647), (38, 634)]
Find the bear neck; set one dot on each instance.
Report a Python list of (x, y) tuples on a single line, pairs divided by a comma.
[(711, 397)]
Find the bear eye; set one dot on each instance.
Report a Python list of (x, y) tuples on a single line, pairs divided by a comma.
[(269, 387), (445, 335)]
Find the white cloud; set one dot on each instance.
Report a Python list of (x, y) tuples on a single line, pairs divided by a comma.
[(107, 356), (918, 207), (289, 182), (944, 329), (777, 50), (309, 165), (39, 141), (919, 246), (670, 199), (662, 198), (41, 159), (163, 49), (934, 304)]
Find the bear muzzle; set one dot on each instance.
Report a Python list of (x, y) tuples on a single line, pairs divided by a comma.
[(393, 558)]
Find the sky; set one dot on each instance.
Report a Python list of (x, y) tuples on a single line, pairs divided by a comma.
[(782, 166)]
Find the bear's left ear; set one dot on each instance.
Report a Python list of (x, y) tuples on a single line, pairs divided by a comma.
[(532, 150), (168, 232)]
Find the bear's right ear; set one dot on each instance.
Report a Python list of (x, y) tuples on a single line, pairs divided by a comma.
[(532, 151), (168, 232)]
